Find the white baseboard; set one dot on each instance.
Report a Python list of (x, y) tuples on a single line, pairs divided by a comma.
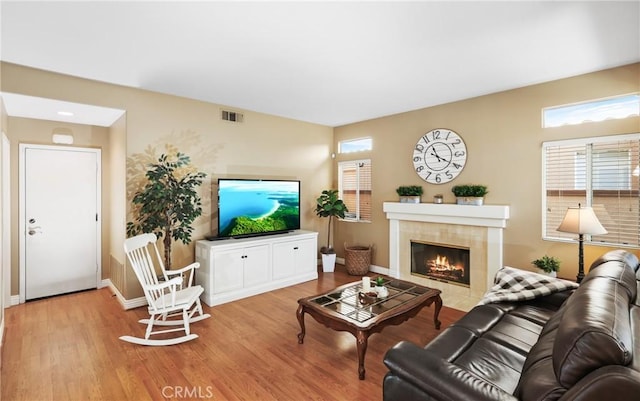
[(126, 303), (379, 269), (372, 268)]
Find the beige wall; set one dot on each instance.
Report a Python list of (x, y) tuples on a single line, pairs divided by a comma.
[(502, 132), (117, 200), (503, 135), (261, 146)]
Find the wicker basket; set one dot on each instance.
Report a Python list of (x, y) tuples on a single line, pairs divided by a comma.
[(357, 259)]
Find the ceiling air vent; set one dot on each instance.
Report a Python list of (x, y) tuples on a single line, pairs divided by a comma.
[(232, 116)]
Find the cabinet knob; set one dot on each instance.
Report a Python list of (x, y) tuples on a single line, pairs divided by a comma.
[(295, 248)]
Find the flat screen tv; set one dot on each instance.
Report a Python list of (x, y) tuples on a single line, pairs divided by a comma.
[(257, 207)]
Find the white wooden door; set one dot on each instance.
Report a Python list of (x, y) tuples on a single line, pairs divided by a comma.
[(61, 221)]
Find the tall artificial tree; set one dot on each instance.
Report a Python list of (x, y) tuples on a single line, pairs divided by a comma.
[(168, 203)]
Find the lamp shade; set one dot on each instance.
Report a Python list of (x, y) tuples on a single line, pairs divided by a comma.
[(581, 220)]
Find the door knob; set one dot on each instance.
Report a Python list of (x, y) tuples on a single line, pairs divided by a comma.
[(32, 232)]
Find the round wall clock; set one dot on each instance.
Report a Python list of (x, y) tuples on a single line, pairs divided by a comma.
[(439, 156)]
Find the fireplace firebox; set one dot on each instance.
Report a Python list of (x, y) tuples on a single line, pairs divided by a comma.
[(440, 262)]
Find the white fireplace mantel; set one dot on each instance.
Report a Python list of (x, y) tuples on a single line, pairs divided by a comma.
[(491, 218), (469, 215)]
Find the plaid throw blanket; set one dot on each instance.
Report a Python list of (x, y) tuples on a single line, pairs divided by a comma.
[(519, 285)]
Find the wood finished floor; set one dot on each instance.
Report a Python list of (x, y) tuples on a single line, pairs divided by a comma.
[(67, 348)]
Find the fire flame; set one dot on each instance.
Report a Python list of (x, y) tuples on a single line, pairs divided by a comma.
[(441, 263)]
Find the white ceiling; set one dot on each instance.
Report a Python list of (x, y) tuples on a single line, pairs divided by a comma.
[(330, 63), (56, 110)]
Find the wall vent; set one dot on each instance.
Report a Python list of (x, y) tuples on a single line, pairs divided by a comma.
[(232, 116)]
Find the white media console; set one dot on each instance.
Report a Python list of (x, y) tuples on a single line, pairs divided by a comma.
[(232, 269)]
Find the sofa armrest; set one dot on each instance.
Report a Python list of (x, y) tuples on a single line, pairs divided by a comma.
[(437, 377)]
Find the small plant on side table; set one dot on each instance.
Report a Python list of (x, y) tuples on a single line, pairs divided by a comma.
[(549, 264)]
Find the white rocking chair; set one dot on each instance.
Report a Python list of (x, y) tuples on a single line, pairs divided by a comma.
[(167, 299)]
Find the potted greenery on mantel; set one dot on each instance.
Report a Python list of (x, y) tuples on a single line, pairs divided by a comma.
[(469, 194), (329, 205), (409, 193), (168, 203)]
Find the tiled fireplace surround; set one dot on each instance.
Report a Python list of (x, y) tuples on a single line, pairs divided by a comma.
[(479, 228)]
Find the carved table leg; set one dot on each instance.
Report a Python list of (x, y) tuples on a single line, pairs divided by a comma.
[(300, 316), (436, 312), (362, 339)]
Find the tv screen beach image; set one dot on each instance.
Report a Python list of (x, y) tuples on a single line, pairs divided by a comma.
[(247, 207)]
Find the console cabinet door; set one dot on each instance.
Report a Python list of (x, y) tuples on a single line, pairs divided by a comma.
[(228, 270), (306, 260), (284, 259), (256, 265), (294, 257)]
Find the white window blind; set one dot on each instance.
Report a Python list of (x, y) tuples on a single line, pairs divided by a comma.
[(354, 180), (599, 172)]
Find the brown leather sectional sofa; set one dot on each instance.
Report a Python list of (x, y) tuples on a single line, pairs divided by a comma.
[(573, 345)]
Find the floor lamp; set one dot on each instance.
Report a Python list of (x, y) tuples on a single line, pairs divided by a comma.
[(581, 220)]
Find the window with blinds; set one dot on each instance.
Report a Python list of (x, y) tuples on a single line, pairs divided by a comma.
[(599, 172), (354, 186)]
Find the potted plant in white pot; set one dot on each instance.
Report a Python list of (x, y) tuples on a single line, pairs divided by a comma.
[(409, 193), (470, 194), (329, 205), (548, 265)]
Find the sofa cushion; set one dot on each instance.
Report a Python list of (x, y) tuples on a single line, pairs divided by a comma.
[(515, 325), (463, 333), (538, 381), (594, 331), (493, 362), (492, 341)]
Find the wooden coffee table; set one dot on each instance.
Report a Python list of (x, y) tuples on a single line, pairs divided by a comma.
[(341, 310)]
